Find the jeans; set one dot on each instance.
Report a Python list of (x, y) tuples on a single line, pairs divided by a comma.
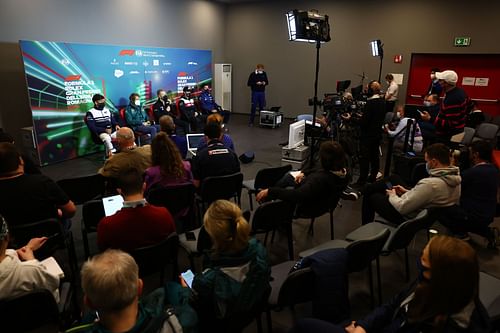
[(258, 99), (149, 129)]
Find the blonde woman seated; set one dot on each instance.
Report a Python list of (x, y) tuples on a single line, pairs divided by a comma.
[(236, 275), (20, 272), (168, 168)]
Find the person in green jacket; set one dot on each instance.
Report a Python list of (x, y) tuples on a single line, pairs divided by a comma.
[(137, 119)]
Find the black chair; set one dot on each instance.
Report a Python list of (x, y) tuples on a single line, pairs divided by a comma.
[(57, 239), (300, 212), (83, 189), (37, 311), (92, 214), (400, 236), (179, 200), (290, 288), (487, 132), (418, 173), (361, 254), (219, 187), (264, 178), (153, 259), (271, 216), (489, 294)]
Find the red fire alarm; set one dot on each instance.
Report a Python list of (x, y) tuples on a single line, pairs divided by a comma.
[(398, 58)]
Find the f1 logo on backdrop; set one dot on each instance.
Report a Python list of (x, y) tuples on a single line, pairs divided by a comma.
[(127, 52)]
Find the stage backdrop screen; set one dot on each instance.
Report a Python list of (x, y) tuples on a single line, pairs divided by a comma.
[(62, 78)]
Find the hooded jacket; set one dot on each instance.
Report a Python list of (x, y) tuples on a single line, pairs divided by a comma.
[(440, 189)]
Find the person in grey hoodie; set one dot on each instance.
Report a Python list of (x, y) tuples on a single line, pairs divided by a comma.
[(395, 203)]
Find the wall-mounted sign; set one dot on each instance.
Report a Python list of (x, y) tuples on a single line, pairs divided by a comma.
[(468, 81), (482, 81), (462, 41)]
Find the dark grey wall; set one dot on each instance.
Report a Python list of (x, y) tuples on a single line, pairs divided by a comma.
[(257, 32), (164, 23)]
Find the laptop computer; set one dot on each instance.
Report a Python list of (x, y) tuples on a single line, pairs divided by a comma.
[(192, 143), (112, 204)]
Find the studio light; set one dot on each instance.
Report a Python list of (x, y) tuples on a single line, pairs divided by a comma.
[(376, 46), (378, 51), (307, 26)]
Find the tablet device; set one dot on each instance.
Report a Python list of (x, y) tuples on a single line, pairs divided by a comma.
[(112, 204), (188, 277)]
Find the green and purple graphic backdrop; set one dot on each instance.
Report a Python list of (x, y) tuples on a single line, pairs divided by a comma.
[(62, 78)]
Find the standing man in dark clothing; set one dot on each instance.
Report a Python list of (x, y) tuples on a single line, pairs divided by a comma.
[(215, 159), (427, 118), (371, 133), (453, 113), (257, 81), (434, 87)]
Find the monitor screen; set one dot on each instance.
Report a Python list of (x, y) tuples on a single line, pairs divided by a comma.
[(296, 134)]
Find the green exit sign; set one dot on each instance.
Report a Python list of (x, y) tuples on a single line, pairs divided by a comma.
[(462, 41)]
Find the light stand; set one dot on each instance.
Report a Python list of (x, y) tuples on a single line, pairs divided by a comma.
[(378, 51), (309, 26)]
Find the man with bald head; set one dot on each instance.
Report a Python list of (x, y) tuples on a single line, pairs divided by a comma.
[(371, 133), (129, 155)]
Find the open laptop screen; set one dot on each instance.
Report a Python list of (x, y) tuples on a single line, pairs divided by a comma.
[(193, 140)]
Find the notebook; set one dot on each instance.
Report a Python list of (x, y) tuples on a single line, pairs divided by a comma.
[(192, 142), (53, 267), (112, 204)]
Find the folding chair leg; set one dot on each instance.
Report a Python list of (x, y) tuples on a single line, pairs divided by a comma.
[(407, 265), (269, 321), (331, 224), (289, 236), (379, 284), (250, 200), (311, 227), (370, 280)]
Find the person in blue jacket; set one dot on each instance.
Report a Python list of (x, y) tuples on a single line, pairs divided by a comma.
[(444, 298), (257, 81), (208, 104), (137, 118)]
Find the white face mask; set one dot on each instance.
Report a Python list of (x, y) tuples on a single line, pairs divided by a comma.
[(433, 76), (137, 102), (258, 71), (427, 103), (398, 115)]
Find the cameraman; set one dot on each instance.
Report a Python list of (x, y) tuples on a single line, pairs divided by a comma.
[(371, 133)]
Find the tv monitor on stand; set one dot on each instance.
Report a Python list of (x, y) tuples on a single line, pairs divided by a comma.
[(296, 134)]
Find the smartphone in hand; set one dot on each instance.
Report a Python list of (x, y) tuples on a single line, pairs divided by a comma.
[(188, 277), (388, 185)]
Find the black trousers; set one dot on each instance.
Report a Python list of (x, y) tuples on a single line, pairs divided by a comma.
[(375, 200), (369, 160)]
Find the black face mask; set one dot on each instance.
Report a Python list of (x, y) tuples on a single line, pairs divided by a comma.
[(100, 106), (165, 98)]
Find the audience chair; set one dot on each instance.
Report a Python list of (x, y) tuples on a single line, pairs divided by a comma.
[(264, 178), (272, 215), (154, 258), (362, 252), (219, 187), (418, 173), (58, 239), (290, 288), (300, 213), (469, 133), (400, 236), (92, 214), (84, 188), (179, 200), (37, 311), (487, 132), (489, 294)]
